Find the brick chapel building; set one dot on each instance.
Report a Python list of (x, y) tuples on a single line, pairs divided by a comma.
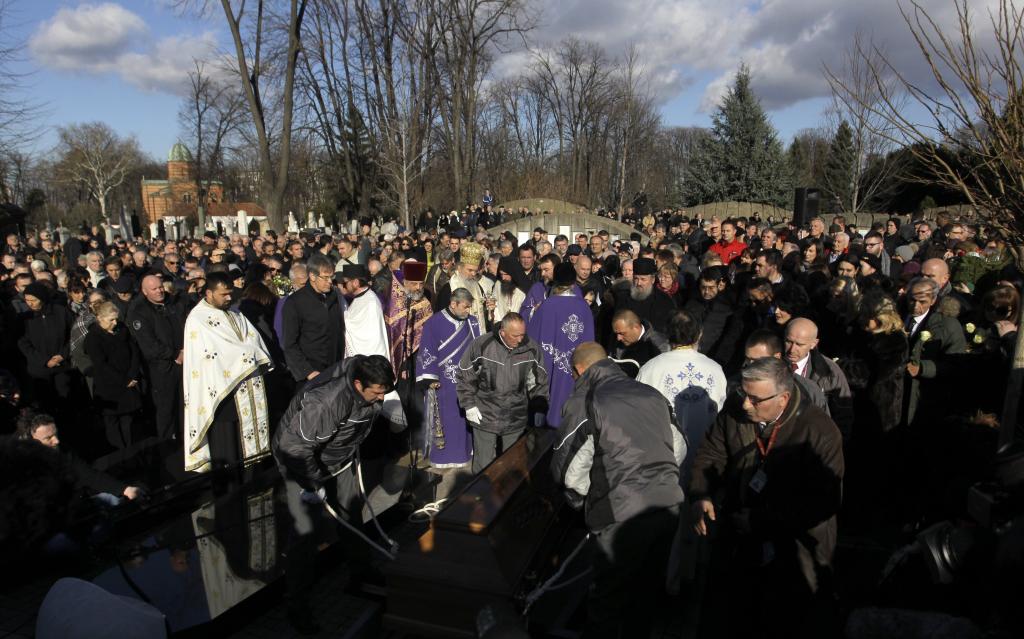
[(177, 196)]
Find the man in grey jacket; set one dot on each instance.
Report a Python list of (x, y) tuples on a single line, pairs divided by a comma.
[(618, 453), (501, 383)]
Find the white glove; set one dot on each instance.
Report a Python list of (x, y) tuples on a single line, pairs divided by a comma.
[(311, 497), (473, 415)]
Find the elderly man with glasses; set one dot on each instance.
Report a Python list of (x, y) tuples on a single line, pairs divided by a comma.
[(767, 482)]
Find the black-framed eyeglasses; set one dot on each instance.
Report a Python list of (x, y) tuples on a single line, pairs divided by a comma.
[(754, 401)]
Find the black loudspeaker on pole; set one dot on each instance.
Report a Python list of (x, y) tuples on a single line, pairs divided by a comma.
[(806, 205)]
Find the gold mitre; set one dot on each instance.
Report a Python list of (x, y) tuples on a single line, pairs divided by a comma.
[(472, 253)]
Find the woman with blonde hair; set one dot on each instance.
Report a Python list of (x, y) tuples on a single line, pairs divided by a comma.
[(116, 372), (876, 364), (875, 370)]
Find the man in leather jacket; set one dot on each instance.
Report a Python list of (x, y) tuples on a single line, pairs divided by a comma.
[(316, 448)]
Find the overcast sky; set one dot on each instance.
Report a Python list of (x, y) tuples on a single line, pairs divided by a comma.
[(125, 62)]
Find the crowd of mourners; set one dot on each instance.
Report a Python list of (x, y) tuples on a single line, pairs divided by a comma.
[(728, 393)]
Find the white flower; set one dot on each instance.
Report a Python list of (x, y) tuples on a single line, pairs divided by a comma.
[(970, 328), (925, 336), (978, 339)]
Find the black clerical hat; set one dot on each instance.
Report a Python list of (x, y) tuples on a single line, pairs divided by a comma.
[(644, 266), (355, 271)]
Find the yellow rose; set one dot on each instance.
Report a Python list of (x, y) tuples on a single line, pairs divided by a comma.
[(970, 328), (925, 336)]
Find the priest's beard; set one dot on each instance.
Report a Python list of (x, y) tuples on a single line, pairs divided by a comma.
[(507, 287), (414, 296), (640, 294)]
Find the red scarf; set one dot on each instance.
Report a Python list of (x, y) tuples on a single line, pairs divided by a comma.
[(672, 290)]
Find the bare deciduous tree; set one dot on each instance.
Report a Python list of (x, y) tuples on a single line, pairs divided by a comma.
[(212, 112), (469, 32), (96, 159), (265, 72), (855, 90), (973, 139)]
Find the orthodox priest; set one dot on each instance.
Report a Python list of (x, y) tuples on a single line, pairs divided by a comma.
[(446, 335), (644, 298), (561, 322), (408, 311), (467, 275), (226, 418), (365, 329), (539, 291)]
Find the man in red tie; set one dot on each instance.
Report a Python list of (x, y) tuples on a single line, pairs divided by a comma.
[(806, 361)]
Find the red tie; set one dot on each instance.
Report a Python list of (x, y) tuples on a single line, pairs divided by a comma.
[(794, 366)]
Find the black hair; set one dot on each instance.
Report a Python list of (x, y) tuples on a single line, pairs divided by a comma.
[(220, 278), (374, 370), (551, 258), (37, 488), (772, 257), (767, 338), (761, 283), (683, 329), (29, 421)]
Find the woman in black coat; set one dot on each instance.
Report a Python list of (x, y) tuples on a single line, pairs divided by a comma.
[(876, 370), (45, 344), (116, 370)]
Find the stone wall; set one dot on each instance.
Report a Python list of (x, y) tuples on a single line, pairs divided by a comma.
[(544, 204), (568, 224)]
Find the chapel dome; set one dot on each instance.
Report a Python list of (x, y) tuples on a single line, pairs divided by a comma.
[(179, 153)]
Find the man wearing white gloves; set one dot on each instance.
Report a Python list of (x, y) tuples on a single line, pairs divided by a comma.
[(501, 383)]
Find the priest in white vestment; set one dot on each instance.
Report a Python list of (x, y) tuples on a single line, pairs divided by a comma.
[(366, 332), (467, 276), (226, 416)]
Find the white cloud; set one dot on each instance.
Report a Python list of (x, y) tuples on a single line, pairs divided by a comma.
[(784, 42), (108, 38), (87, 36)]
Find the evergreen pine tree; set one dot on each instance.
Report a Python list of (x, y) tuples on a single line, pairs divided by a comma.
[(743, 160), (840, 168)]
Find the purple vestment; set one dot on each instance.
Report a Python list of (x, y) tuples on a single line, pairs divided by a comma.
[(559, 325), (404, 340), (441, 346), (536, 296)]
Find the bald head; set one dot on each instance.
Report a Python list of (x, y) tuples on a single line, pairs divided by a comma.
[(153, 289), (586, 355), (627, 327), (936, 270), (801, 339)]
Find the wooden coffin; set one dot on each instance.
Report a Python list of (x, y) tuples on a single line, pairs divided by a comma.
[(485, 547)]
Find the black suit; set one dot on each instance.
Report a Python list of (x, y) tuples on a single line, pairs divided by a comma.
[(312, 332), (159, 330)]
